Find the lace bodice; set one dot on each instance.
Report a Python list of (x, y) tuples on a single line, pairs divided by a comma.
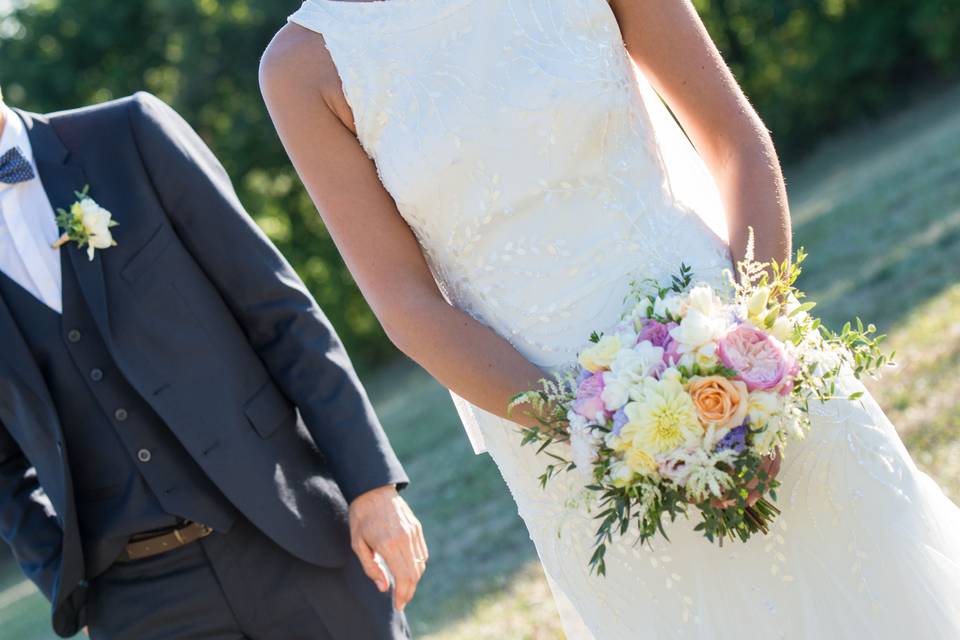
[(516, 140)]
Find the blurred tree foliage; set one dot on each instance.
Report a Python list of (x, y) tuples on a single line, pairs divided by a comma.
[(810, 66), (813, 66)]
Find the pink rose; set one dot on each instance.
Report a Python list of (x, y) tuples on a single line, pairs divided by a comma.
[(759, 360), (786, 387), (657, 333), (589, 403)]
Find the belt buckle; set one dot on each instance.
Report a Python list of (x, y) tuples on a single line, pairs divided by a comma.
[(203, 529)]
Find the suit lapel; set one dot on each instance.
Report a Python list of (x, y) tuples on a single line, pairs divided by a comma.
[(62, 178)]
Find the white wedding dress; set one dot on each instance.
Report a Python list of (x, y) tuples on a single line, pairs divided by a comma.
[(541, 174)]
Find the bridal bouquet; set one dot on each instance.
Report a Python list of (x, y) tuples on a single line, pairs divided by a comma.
[(680, 409)]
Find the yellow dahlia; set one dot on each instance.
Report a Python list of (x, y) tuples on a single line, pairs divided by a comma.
[(663, 419)]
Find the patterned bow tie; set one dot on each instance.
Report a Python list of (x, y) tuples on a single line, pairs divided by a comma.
[(14, 167)]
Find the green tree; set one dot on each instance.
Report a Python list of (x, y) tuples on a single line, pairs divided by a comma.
[(201, 56)]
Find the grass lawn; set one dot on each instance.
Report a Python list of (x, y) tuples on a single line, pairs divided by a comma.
[(878, 209)]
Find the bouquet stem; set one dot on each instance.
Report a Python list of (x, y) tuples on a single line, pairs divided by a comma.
[(760, 515), (62, 240)]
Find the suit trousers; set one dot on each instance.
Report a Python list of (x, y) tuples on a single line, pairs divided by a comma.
[(236, 585)]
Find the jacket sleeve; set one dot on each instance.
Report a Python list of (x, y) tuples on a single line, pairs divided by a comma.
[(28, 523), (283, 323)]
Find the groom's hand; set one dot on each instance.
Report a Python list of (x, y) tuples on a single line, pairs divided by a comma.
[(382, 524)]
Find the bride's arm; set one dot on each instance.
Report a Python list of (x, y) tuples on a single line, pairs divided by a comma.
[(669, 43), (305, 100)]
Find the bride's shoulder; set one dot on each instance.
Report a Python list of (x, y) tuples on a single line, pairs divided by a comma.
[(297, 65), (297, 56)]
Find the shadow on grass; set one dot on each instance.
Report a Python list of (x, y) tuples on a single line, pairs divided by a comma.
[(879, 211)]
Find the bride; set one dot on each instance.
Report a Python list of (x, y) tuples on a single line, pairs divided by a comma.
[(495, 173)]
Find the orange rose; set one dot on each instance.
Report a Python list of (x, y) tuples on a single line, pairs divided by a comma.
[(719, 401)]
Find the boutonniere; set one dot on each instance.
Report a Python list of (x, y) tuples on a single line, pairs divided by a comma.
[(86, 223)]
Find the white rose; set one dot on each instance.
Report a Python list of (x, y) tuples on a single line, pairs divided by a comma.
[(615, 394), (703, 299), (761, 406), (696, 330), (705, 357), (668, 306), (599, 356), (96, 222), (632, 365)]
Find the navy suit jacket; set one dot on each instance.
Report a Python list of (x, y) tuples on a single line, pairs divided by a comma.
[(211, 326)]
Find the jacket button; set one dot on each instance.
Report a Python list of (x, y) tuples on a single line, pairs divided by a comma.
[(144, 455), (96, 375), (74, 335), (120, 415)]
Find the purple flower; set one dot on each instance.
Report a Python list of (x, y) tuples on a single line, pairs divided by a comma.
[(619, 419), (657, 333), (671, 352), (589, 403), (584, 374), (736, 439)]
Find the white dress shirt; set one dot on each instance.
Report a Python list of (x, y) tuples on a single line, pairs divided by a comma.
[(27, 225)]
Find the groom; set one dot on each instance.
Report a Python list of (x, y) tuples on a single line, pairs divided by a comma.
[(185, 450)]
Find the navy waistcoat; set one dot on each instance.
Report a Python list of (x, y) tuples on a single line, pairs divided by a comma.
[(130, 473)]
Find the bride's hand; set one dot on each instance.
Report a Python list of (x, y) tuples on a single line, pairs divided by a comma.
[(772, 466)]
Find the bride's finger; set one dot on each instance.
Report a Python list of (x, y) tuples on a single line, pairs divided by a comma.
[(777, 462)]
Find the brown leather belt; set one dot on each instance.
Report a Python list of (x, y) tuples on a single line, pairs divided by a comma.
[(153, 545)]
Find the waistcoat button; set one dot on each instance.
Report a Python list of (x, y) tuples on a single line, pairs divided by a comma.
[(96, 375), (74, 335), (120, 415), (144, 455)]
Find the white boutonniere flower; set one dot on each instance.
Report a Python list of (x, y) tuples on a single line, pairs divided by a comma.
[(86, 223)]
